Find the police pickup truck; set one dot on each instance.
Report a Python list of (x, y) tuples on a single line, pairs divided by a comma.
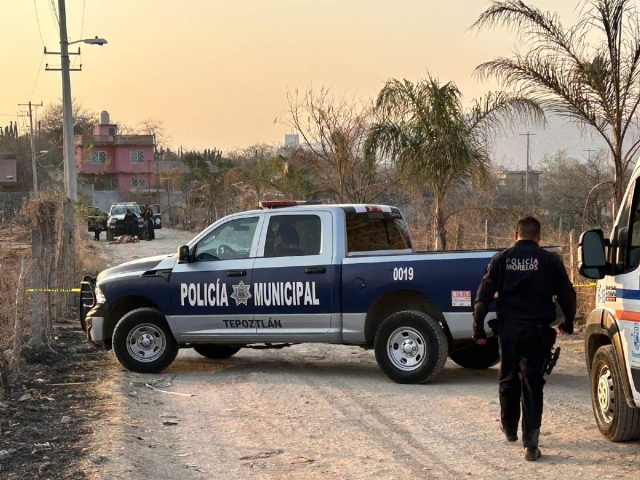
[(612, 334), (298, 274)]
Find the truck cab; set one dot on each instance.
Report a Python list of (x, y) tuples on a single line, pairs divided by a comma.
[(612, 334)]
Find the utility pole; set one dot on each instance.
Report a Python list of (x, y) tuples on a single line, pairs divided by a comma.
[(588, 150), (71, 183), (33, 145), (526, 178)]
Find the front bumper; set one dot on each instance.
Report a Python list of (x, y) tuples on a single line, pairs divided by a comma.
[(95, 326)]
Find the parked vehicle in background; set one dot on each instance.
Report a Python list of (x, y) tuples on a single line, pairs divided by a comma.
[(612, 334), (116, 225), (96, 219)]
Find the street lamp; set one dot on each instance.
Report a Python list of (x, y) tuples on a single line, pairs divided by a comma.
[(91, 41)]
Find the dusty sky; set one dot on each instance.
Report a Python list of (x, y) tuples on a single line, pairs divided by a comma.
[(217, 72)]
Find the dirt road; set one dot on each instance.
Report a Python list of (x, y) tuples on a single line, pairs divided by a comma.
[(313, 411)]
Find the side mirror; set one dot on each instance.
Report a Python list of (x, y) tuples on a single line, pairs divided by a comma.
[(592, 261), (183, 254)]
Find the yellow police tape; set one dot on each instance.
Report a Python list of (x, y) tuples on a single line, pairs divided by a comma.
[(53, 290)]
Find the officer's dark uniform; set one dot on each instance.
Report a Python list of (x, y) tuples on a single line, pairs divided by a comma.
[(131, 223), (148, 218), (526, 277)]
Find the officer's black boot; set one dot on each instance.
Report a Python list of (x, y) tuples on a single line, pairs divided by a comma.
[(531, 454)]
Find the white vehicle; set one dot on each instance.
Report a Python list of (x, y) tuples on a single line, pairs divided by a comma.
[(612, 335)]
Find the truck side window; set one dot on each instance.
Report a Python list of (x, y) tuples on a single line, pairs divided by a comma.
[(373, 231), (231, 240), (633, 254), (293, 236), (626, 255)]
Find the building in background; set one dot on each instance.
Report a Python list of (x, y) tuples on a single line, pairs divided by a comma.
[(8, 170), (512, 187), (291, 140), (110, 161)]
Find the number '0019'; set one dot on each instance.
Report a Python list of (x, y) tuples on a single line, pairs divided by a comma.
[(403, 274)]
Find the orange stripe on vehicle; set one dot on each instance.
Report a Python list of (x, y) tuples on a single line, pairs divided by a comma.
[(628, 315)]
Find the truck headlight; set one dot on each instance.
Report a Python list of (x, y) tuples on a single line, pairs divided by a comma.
[(99, 295)]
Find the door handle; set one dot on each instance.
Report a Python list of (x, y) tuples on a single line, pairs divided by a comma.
[(316, 270), (236, 273)]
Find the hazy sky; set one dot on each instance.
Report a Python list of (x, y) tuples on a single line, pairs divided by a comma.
[(217, 72)]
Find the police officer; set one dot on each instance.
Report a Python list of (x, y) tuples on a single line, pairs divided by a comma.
[(526, 278), (130, 223), (147, 213)]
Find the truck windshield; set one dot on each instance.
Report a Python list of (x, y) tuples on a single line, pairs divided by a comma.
[(375, 231), (122, 209)]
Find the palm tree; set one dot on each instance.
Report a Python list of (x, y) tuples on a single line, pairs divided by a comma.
[(424, 129), (596, 85)]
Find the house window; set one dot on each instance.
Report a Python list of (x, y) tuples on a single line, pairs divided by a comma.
[(112, 131), (137, 182), (98, 158), (137, 156)]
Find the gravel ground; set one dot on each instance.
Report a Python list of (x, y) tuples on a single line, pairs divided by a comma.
[(319, 411)]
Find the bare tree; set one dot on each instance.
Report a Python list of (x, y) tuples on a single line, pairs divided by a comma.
[(333, 131)]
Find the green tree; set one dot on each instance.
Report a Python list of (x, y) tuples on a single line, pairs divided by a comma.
[(588, 73), (436, 143)]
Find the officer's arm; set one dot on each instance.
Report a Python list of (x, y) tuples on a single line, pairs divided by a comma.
[(486, 292), (566, 296)]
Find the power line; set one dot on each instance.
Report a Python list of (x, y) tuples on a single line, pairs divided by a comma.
[(37, 77), (84, 4), (54, 11), (38, 20)]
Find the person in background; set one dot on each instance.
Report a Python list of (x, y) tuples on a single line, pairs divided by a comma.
[(131, 223), (148, 222)]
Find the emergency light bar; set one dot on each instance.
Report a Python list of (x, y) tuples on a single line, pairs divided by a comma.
[(271, 204)]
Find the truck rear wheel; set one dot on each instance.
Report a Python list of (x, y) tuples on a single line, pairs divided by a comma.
[(615, 419), (216, 351), (411, 347), (478, 357), (143, 342)]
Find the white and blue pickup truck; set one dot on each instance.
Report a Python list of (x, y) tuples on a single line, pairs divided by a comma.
[(339, 274)]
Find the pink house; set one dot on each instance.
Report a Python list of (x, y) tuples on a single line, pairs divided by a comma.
[(111, 161)]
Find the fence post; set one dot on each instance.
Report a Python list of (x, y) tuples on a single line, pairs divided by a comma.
[(17, 325), (486, 233), (36, 283)]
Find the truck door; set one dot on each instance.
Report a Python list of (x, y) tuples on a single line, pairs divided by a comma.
[(211, 295), (621, 292), (293, 279)]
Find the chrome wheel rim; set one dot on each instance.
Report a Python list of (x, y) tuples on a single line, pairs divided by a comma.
[(146, 342), (406, 349), (606, 394)]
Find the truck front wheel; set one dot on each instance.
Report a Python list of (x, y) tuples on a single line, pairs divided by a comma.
[(616, 420), (411, 347), (216, 351), (143, 342), (478, 357)]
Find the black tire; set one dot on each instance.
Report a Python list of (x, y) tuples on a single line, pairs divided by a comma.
[(216, 351), (478, 357), (615, 419), (148, 325), (424, 334)]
